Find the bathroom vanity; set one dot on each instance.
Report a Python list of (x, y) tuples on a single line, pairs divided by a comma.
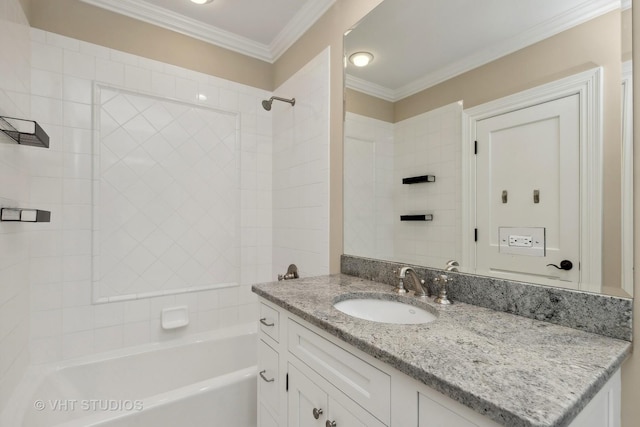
[(472, 366)]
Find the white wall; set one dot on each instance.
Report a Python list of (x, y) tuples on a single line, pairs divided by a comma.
[(14, 192), (64, 321), (301, 171)]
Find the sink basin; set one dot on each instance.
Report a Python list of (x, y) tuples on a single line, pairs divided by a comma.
[(384, 311)]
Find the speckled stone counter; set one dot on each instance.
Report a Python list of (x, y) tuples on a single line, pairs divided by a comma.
[(515, 370), (601, 314)]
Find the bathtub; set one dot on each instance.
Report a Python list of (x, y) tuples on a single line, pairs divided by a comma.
[(207, 380)]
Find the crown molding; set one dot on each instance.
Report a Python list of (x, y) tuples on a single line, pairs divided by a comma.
[(298, 25), (369, 88), (161, 17), (578, 15)]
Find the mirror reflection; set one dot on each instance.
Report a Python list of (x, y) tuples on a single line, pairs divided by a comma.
[(544, 195)]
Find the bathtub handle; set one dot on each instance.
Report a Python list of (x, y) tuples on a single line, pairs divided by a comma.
[(317, 413), (265, 378), (265, 323), (330, 424)]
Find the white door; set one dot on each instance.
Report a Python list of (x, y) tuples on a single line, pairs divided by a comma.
[(528, 194)]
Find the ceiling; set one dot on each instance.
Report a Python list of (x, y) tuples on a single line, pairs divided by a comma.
[(453, 36), (262, 29), (417, 44)]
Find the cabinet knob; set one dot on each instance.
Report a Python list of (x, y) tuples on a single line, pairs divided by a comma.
[(316, 413), (330, 424)]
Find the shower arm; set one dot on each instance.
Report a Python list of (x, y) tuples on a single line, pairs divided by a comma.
[(291, 101)]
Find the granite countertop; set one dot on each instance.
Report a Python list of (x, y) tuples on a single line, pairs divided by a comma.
[(515, 370)]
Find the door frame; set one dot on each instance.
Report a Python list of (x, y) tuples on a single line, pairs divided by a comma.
[(588, 85), (627, 177)]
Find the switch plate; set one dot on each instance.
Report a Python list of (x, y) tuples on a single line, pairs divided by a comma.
[(529, 241)]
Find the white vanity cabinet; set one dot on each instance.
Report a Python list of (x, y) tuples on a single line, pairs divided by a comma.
[(311, 378), (313, 402)]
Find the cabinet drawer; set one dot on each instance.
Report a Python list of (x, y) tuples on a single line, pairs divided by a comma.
[(268, 377), (365, 384), (270, 321)]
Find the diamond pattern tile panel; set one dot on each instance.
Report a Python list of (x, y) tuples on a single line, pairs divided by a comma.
[(167, 203)]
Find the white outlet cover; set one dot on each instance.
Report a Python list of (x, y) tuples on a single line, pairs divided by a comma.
[(529, 241)]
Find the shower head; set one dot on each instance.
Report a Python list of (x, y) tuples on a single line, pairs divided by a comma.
[(266, 104)]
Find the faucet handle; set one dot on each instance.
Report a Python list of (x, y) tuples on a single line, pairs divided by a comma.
[(442, 280), (400, 289)]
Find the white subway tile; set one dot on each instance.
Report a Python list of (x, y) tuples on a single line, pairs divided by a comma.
[(46, 324), (136, 333), (46, 57), (79, 64), (76, 294), (76, 319), (77, 344), (63, 42)]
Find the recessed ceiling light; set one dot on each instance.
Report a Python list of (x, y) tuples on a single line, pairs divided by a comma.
[(361, 59), (201, 1)]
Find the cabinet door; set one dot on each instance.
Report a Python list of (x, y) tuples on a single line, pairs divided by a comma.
[(349, 415), (306, 400)]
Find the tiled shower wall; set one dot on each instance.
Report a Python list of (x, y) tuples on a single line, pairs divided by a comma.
[(368, 187), (301, 171), (427, 144), (64, 321), (166, 200), (14, 185)]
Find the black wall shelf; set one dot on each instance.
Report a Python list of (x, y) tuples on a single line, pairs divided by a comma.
[(427, 217), (24, 215), (419, 179), (24, 132)]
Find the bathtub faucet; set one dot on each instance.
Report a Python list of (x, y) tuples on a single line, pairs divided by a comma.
[(292, 273)]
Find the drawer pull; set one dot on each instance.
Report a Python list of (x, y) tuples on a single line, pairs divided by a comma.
[(317, 413), (330, 424), (265, 378), (265, 323)]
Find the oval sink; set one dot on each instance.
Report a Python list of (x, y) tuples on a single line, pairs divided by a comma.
[(384, 311)]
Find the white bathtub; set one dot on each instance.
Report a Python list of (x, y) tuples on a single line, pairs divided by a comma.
[(207, 380)]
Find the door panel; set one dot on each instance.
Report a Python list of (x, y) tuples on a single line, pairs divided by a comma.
[(536, 149)]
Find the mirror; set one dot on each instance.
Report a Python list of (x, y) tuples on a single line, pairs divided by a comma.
[(413, 114)]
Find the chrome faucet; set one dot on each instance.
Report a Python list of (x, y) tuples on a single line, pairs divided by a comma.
[(418, 289), (292, 273)]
